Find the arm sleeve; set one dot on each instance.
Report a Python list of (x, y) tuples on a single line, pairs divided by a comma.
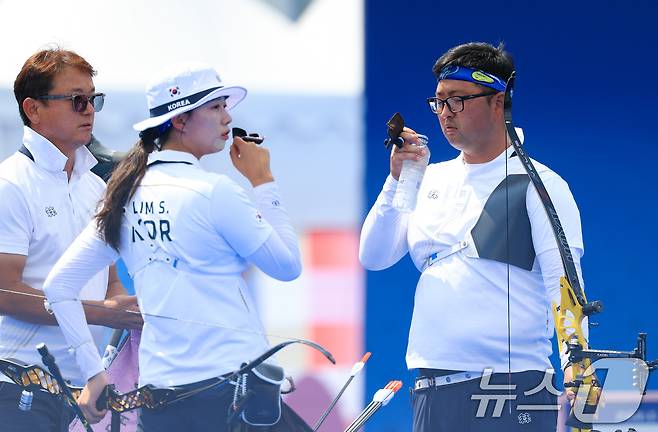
[(237, 219), (263, 235), (279, 255), (15, 220), (546, 245), (86, 256), (384, 234)]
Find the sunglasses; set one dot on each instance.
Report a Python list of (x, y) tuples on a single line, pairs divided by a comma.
[(80, 101)]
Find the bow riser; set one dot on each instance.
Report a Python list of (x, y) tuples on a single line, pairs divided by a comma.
[(569, 319)]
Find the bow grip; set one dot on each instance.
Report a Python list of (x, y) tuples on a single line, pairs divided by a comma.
[(103, 401)]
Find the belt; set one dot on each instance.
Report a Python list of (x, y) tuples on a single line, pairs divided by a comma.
[(438, 256), (423, 383), (201, 385)]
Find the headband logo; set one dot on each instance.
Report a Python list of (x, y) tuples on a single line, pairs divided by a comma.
[(448, 70), (482, 77), (174, 91)]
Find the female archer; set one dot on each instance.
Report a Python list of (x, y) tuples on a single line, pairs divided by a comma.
[(186, 236)]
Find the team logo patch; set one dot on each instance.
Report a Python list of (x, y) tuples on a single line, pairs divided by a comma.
[(50, 211), (433, 194), (482, 77), (524, 418), (174, 91)]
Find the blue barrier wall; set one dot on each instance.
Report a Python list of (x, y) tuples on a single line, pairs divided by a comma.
[(586, 96)]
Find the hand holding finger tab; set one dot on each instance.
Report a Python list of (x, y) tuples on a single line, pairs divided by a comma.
[(252, 137)]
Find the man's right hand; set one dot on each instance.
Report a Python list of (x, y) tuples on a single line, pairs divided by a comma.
[(409, 150), (123, 312)]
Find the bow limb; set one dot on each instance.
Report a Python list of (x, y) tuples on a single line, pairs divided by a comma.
[(33, 377), (569, 316), (269, 353), (571, 274)]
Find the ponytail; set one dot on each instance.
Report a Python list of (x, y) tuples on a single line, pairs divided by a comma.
[(124, 182)]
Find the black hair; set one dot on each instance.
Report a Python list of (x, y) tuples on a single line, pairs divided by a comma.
[(478, 55)]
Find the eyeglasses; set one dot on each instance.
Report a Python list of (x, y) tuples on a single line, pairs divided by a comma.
[(455, 103), (80, 101)]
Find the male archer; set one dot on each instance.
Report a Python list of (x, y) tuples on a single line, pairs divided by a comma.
[(47, 196), (483, 300)]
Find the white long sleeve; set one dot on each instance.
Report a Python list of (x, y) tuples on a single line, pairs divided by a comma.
[(551, 270), (86, 256), (279, 256), (384, 234)]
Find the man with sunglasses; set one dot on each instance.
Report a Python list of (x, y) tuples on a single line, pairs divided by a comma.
[(47, 196), (481, 327)]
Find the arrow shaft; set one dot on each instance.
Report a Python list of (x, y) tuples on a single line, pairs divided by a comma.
[(332, 405)]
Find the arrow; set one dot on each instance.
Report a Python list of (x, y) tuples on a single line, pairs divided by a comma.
[(381, 398), (355, 370)]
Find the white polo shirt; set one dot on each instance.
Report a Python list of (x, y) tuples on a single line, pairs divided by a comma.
[(200, 320), (41, 213), (460, 309)]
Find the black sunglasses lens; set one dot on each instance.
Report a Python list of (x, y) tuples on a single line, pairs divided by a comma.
[(80, 103)]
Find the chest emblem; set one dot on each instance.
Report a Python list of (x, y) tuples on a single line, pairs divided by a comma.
[(50, 211), (433, 194)]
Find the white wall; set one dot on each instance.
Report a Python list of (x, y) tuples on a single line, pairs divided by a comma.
[(247, 40), (305, 80)]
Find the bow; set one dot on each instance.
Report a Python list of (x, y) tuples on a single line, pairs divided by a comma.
[(570, 314), (29, 376), (32, 377), (151, 397)]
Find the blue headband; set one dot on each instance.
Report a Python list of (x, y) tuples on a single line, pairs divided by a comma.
[(476, 76)]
